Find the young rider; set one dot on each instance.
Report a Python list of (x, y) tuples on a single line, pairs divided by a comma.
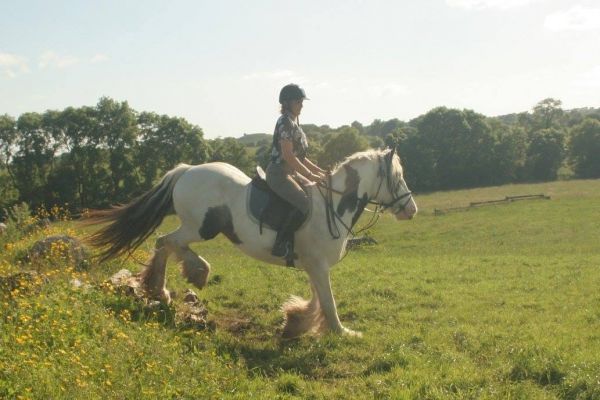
[(289, 167)]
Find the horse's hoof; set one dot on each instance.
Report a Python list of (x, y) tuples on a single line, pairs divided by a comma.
[(351, 333), (165, 297)]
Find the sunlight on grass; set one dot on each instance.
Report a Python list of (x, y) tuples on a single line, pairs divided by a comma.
[(496, 302)]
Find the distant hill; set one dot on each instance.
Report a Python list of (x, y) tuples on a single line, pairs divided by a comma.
[(255, 139)]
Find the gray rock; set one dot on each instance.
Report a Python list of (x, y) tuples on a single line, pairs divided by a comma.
[(24, 280), (121, 278), (73, 249)]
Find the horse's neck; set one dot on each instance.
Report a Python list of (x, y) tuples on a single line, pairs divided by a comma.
[(352, 185)]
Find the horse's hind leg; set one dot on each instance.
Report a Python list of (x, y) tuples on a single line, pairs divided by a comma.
[(152, 278), (193, 267)]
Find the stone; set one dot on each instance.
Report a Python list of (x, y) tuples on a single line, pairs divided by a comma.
[(70, 248), (24, 280), (192, 313), (121, 278)]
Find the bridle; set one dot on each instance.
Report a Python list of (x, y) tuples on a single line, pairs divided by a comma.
[(385, 174)]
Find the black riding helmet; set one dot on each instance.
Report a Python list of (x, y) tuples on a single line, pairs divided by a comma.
[(291, 92)]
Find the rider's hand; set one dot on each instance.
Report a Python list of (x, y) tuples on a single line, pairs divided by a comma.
[(317, 177)]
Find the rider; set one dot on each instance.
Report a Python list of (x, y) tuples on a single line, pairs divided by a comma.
[(289, 167)]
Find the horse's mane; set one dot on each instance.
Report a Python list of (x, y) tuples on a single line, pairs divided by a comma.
[(371, 154)]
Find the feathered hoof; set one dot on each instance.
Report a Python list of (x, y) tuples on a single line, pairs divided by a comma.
[(164, 296), (351, 333)]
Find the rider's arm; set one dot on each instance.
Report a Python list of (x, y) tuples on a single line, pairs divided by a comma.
[(312, 166), (287, 152)]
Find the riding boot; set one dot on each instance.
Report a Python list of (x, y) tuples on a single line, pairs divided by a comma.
[(284, 242)]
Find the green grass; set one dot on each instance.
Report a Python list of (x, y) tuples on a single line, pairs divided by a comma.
[(498, 302)]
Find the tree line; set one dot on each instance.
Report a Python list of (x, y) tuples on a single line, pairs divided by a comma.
[(91, 157)]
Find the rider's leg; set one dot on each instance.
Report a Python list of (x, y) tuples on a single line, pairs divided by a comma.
[(281, 182)]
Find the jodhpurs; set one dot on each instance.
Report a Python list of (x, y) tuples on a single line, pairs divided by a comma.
[(280, 179)]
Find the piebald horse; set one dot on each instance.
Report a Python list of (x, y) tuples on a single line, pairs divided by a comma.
[(211, 198)]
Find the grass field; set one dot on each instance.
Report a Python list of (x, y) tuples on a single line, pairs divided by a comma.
[(498, 302)]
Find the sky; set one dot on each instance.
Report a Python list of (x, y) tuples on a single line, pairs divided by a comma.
[(220, 65)]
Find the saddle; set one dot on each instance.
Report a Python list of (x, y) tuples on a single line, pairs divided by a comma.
[(265, 206)]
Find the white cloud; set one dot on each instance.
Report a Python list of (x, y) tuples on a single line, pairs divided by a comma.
[(99, 58), (12, 64), (51, 59), (483, 4), (590, 78), (577, 18)]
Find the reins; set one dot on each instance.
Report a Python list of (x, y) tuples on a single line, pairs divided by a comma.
[(331, 215)]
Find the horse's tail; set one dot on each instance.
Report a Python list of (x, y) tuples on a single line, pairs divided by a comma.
[(131, 224)]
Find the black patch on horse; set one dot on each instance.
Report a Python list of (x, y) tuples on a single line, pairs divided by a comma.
[(349, 200), (360, 207), (218, 220)]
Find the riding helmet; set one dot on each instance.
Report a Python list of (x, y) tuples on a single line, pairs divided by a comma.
[(291, 92)]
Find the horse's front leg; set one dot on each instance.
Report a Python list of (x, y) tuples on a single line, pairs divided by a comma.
[(320, 279)]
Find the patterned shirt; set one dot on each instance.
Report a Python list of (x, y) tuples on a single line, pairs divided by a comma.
[(287, 128)]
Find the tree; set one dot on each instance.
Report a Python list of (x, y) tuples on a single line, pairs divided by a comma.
[(34, 158), (509, 153), (117, 131), (8, 135), (8, 191), (460, 146), (547, 114), (231, 151), (545, 154), (164, 142), (585, 149), (343, 144)]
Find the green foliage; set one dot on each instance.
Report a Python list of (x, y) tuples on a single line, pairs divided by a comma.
[(341, 145), (585, 149), (255, 139), (229, 150), (92, 157), (545, 154)]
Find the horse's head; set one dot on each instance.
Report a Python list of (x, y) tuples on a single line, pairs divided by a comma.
[(392, 192)]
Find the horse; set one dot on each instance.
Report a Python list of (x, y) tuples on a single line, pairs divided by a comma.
[(211, 198)]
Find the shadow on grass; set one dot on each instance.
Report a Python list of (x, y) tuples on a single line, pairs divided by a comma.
[(266, 359)]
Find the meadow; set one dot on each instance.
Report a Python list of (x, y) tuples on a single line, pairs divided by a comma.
[(498, 302)]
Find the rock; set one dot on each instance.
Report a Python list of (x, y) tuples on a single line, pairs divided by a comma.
[(3, 228), (193, 312), (127, 284), (21, 280), (189, 296), (121, 277), (62, 246)]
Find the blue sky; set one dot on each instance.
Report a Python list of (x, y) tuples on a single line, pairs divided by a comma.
[(220, 65)]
